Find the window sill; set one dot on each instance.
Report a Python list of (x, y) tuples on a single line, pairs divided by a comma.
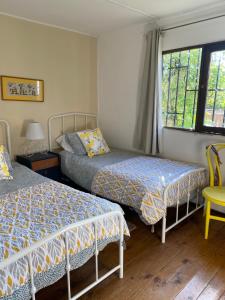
[(194, 131), (179, 129)]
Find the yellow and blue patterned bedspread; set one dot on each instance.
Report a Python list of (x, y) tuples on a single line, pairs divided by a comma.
[(140, 183), (33, 213)]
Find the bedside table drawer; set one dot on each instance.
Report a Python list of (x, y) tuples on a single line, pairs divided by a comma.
[(45, 164)]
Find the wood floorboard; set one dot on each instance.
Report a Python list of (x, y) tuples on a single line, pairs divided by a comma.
[(186, 267), (215, 288)]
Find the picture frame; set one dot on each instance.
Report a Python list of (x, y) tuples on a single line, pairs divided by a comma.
[(22, 89)]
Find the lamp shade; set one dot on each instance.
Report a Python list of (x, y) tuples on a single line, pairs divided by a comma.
[(34, 131)]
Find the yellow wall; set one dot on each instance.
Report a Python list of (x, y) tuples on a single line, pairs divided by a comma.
[(66, 61)]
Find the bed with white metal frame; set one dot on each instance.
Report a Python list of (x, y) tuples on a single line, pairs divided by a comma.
[(165, 228), (27, 252)]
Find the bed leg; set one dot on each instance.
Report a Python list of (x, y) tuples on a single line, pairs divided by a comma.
[(121, 250), (153, 228), (164, 229), (121, 263)]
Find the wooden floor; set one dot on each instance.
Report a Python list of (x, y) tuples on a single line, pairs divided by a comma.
[(186, 267)]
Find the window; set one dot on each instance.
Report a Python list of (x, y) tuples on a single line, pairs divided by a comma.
[(193, 88)]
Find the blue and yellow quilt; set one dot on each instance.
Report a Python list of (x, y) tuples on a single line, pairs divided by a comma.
[(32, 213), (141, 182)]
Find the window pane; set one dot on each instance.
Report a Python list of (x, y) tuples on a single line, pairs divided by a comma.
[(215, 101), (180, 87)]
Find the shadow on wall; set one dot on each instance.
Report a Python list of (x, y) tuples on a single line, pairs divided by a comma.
[(187, 146)]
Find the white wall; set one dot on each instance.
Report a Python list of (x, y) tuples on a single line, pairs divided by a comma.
[(66, 61), (120, 58)]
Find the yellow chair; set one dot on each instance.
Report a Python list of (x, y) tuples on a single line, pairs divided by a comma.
[(215, 193)]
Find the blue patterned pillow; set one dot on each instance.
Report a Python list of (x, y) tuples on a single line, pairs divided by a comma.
[(74, 141)]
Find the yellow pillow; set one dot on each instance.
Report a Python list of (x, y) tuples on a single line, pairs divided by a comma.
[(4, 165), (93, 142)]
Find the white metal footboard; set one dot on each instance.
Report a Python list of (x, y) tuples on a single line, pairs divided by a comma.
[(189, 212), (27, 252)]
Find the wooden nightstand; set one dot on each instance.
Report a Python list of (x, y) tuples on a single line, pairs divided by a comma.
[(47, 164)]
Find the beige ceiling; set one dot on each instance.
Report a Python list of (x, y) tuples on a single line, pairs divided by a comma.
[(97, 16)]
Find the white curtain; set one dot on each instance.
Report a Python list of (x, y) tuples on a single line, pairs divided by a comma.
[(149, 124)]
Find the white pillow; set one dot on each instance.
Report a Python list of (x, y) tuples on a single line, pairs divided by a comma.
[(61, 140)]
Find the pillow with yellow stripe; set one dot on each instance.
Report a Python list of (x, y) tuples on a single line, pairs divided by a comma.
[(5, 165), (93, 142)]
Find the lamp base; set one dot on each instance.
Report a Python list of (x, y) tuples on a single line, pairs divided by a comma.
[(33, 147)]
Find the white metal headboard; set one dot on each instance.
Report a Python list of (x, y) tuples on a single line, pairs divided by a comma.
[(62, 118), (7, 142)]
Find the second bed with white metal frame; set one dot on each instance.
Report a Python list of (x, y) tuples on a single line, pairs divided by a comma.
[(165, 228), (27, 252)]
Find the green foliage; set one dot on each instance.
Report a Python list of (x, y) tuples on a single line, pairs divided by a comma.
[(216, 90), (180, 87)]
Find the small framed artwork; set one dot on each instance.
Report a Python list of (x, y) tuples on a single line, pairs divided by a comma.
[(22, 89)]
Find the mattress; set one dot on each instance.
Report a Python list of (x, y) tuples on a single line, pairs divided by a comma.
[(148, 184), (81, 169), (33, 207), (22, 177)]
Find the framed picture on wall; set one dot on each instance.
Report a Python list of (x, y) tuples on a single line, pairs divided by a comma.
[(22, 89)]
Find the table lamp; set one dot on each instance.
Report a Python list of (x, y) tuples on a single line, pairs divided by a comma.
[(34, 134)]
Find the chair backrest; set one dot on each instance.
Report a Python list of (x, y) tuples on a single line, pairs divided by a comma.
[(213, 158)]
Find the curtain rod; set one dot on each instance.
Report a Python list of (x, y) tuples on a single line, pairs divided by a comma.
[(195, 22)]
